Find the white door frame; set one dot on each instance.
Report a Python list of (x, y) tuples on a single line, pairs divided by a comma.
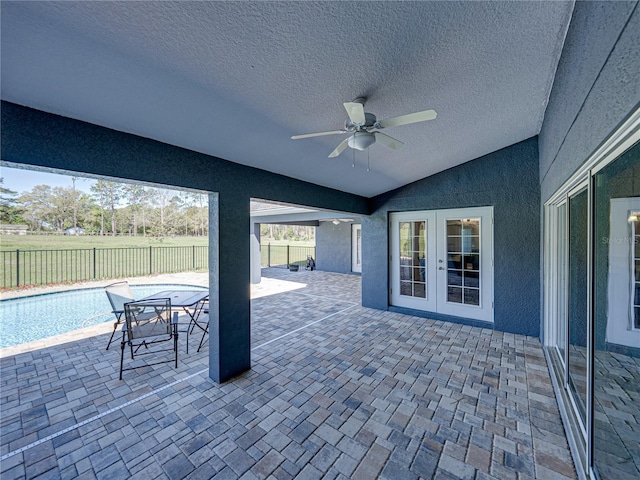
[(427, 303), (356, 247), (435, 262), (484, 311)]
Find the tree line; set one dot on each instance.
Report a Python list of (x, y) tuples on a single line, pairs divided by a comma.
[(110, 209), (286, 232)]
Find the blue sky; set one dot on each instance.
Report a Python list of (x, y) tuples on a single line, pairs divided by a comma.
[(20, 180)]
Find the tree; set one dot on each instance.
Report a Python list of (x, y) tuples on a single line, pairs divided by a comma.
[(99, 190), (135, 196), (74, 198), (38, 208), (108, 195), (10, 212), (201, 214), (160, 199)]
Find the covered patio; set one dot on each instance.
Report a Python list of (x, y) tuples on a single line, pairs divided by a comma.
[(335, 390)]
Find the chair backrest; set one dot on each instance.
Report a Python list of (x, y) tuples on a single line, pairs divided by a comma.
[(119, 293), (148, 318)]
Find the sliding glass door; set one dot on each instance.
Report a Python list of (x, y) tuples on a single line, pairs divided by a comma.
[(616, 371), (592, 313)]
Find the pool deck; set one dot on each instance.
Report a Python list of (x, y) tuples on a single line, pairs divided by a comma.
[(335, 391)]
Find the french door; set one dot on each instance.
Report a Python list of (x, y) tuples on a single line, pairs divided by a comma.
[(442, 261)]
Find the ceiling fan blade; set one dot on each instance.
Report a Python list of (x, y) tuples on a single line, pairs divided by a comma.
[(318, 134), (388, 141), (340, 148), (409, 118), (355, 111)]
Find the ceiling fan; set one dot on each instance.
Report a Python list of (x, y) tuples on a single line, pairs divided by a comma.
[(363, 127), (336, 221)]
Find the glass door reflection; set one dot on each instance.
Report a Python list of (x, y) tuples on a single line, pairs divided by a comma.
[(616, 376), (577, 300)]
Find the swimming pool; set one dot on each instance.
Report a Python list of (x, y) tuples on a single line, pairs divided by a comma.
[(26, 319)]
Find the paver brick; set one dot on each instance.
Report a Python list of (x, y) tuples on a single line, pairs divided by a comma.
[(457, 468), (360, 394)]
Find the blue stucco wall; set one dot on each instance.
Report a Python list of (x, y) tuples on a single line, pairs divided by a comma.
[(508, 181), (333, 247), (596, 87)]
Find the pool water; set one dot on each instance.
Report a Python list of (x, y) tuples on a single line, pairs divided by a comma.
[(26, 319)]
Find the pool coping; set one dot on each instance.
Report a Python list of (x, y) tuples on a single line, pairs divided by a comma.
[(192, 278), (44, 294)]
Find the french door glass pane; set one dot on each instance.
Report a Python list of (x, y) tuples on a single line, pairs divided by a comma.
[(616, 376), (413, 253), (463, 261), (578, 300)]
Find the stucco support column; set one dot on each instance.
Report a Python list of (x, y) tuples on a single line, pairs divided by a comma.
[(256, 273), (375, 261), (229, 291)]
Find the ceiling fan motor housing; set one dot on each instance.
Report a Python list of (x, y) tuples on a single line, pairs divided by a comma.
[(369, 122)]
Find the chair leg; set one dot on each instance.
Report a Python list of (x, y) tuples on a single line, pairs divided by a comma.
[(122, 354), (206, 331), (115, 327), (175, 342)]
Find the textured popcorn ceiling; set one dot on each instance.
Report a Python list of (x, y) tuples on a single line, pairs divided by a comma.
[(237, 79)]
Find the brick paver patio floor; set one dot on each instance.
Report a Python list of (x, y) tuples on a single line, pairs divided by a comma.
[(335, 391)]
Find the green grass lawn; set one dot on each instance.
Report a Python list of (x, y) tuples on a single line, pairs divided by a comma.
[(58, 242)]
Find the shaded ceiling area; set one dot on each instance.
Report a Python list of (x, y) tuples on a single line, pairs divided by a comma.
[(237, 79)]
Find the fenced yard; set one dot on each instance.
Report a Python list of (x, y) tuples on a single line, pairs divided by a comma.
[(44, 267), (283, 255), (46, 260)]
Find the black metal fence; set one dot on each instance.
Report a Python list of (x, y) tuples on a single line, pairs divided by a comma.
[(284, 255), (44, 267)]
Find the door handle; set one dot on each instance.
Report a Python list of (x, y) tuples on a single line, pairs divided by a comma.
[(440, 268)]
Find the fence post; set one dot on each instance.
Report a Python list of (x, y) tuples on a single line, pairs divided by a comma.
[(287, 255), (269, 255), (150, 261), (17, 267), (193, 256), (94, 263)]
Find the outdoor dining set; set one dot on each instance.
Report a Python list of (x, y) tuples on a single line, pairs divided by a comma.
[(154, 319)]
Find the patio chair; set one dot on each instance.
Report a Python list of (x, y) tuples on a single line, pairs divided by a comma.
[(118, 294), (201, 308), (311, 263), (147, 323)]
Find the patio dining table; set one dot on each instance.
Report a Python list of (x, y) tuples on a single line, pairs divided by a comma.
[(191, 301)]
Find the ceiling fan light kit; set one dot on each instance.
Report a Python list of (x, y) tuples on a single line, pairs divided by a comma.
[(363, 128), (361, 140)]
